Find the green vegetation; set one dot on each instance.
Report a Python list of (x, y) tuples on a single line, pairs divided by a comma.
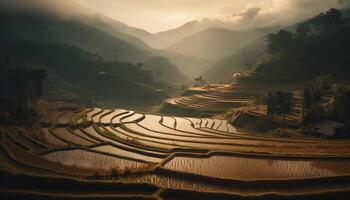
[(52, 29), (294, 54), (20, 89), (200, 81), (279, 102), (255, 123), (101, 80), (67, 49), (317, 46), (326, 100)]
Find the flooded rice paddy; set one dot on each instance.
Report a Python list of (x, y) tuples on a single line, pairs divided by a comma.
[(259, 168), (92, 160), (51, 139), (128, 154), (122, 139), (107, 119), (66, 135)]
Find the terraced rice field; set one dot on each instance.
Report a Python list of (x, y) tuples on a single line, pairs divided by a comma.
[(164, 157), (294, 117), (264, 168), (216, 100)]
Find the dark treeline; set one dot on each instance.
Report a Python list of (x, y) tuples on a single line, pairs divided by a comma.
[(84, 73), (20, 89), (80, 59), (318, 46), (326, 99), (279, 102), (72, 63)]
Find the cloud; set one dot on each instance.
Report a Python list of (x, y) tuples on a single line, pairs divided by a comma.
[(157, 15), (249, 15), (284, 12)]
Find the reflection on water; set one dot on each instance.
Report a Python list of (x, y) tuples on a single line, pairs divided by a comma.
[(341, 167), (108, 118), (85, 159), (167, 181), (254, 168), (128, 154)]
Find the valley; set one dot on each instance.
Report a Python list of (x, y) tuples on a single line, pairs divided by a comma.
[(250, 105)]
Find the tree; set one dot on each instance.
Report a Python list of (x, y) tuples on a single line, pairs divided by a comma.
[(280, 43), (37, 77), (158, 75), (279, 102), (271, 104), (20, 88), (307, 100), (312, 95), (284, 104), (325, 22), (342, 105), (302, 32), (325, 82), (314, 115), (139, 65), (200, 81)]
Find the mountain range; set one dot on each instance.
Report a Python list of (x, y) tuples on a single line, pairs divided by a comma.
[(217, 43), (210, 47)]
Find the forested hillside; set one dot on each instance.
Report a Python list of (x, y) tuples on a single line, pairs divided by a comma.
[(318, 46), (297, 53), (39, 27), (165, 70), (68, 49)]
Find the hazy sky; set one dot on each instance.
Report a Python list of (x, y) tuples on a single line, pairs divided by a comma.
[(159, 15)]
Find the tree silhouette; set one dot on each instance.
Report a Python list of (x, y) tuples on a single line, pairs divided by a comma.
[(279, 102), (271, 104), (280, 43), (20, 88)]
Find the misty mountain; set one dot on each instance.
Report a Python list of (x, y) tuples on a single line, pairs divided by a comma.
[(174, 35), (246, 58), (44, 28), (85, 74), (74, 54), (190, 65), (163, 69), (93, 34), (303, 62), (214, 43), (138, 37)]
